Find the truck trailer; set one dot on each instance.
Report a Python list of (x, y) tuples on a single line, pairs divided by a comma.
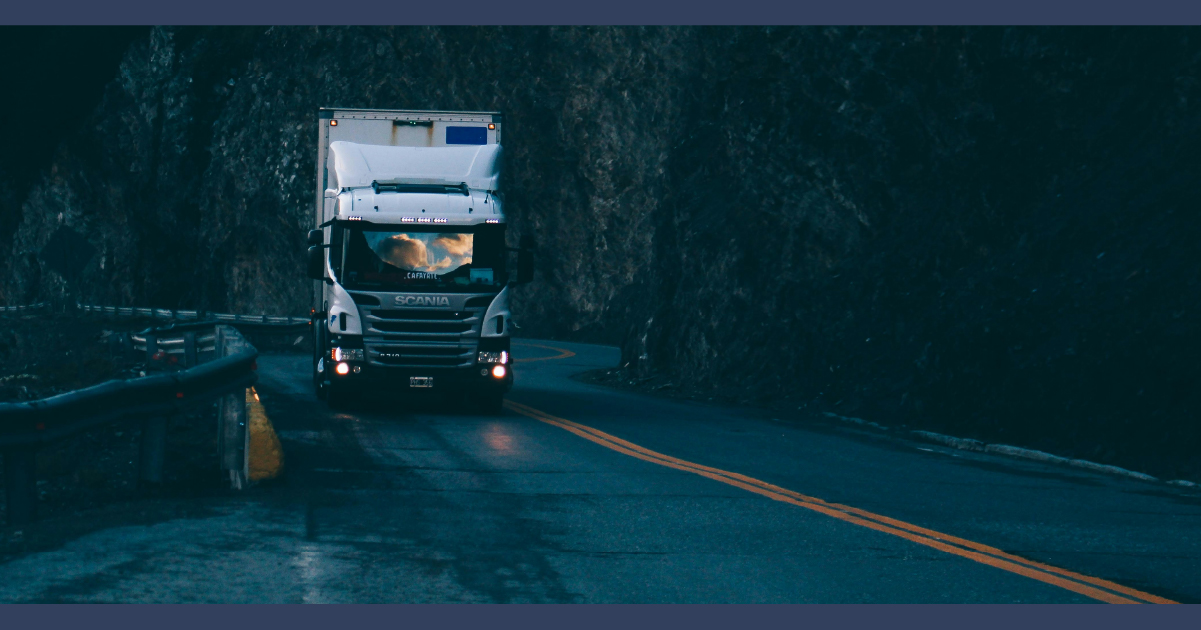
[(409, 258)]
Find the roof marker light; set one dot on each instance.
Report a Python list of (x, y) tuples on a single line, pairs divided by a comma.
[(333, 123), (406, 219), (439, 220), (491, 126), (492, 221)]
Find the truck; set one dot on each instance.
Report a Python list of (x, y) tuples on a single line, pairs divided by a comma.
[(409, 259)]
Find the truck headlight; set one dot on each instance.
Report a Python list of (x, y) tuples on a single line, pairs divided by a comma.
[(501, 357), (346, 354)]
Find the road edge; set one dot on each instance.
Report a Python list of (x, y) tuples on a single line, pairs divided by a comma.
[(966, 444)]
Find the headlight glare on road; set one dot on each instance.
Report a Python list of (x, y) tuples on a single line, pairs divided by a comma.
[(342, 369), (499, 371)]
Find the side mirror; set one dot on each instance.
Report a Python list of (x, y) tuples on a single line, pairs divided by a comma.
[(316, 261), (316, 237), (525, 266)]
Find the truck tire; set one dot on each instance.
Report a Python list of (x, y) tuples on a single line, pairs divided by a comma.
[(319, 351)]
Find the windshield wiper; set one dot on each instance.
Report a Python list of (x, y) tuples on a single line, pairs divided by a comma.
[(421, 188)]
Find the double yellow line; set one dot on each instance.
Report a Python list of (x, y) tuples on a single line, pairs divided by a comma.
[(1096, 588)]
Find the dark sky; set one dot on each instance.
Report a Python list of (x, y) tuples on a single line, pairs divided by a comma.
[(54, 73)]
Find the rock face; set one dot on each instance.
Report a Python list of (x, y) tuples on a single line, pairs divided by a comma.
[(984, 231)]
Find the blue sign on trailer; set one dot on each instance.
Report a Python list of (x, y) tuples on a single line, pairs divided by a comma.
[(466, 135)]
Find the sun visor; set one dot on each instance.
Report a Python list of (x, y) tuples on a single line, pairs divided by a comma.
[(358, 165)]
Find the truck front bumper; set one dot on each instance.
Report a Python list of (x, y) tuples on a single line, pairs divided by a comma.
[(362, 376)]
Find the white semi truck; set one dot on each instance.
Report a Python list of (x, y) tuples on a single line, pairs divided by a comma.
[(409, 256)]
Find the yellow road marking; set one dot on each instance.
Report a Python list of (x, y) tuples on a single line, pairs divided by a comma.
[(563, 353), (266, 453), (1096, 588)]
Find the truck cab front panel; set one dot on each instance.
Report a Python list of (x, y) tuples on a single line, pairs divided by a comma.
[(421, 330)]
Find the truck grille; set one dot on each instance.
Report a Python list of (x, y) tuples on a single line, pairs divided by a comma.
[(414, 338), (422, 327)]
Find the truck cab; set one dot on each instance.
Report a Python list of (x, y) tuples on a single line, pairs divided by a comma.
[(409, 258)]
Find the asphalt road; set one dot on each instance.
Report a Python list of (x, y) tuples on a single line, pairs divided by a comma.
[(580, 493)]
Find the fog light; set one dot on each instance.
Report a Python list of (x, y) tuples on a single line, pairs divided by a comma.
[(498, 371), (342, 369)]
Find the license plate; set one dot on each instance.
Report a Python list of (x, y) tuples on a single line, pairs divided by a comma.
[(421, 381)]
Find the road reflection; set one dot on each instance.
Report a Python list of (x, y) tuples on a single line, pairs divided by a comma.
[(497, 437)]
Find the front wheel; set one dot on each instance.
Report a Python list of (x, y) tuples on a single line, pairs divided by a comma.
[(319, 386), (319, 352)]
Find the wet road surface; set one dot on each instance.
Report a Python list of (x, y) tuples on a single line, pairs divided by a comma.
[(579, 493)]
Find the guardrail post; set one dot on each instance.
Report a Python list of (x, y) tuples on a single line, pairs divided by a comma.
[(218, 352), (189, 350), (232, 431), (153, 449), (20, 484), (234, 437), (151, 347)]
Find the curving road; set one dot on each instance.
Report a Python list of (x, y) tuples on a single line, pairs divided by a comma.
[(580, 493)]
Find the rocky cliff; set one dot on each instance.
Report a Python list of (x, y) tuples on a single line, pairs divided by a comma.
[(986, 231)]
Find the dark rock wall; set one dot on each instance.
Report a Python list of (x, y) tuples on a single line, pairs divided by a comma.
[(986, 231)]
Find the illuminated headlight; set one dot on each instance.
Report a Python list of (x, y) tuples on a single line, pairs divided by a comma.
[(342, 369), (498, 371), (501, 357), (346, 354)]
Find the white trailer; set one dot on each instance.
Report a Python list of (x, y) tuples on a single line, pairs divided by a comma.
[(409, 257)]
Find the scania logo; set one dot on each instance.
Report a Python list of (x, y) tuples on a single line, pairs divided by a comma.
[(422, 300)]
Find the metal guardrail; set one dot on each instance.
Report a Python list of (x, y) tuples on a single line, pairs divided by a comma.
[(175, 315), (222, 374), (24, 308), (186, 315)]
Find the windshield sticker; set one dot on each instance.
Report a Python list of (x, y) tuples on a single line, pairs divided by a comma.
[(481, 275)]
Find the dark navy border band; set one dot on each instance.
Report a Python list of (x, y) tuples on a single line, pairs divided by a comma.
[(579, 617), (649, 12)]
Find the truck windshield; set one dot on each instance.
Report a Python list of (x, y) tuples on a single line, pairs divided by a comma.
[(376, 257)]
